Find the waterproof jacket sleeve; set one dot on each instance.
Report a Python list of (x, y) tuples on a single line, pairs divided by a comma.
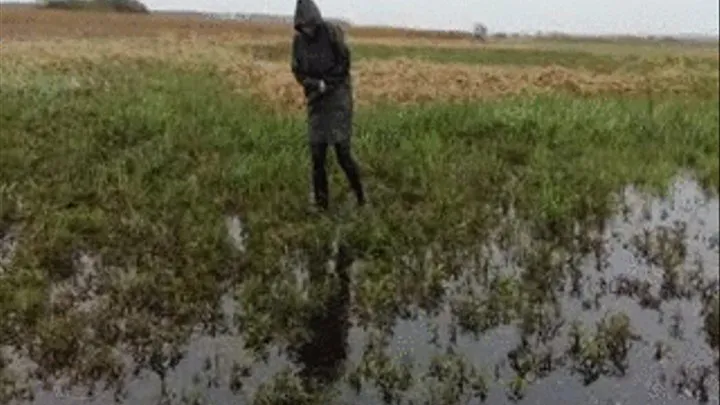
[(298, 71), (341, 69)]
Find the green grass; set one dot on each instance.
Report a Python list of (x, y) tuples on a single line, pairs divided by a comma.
[(144, 169), (592, 61)]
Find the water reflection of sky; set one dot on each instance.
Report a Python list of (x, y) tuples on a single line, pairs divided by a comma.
[(414, 342)]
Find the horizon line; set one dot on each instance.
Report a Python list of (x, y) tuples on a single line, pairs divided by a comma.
[(525, 32)]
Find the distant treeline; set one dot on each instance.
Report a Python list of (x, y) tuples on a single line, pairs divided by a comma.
[(669, 39), (125, 6), (266, 18)]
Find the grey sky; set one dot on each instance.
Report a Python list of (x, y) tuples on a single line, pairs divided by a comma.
[(571, 16)]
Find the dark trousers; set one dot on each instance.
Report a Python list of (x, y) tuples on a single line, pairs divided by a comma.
[(319, 174)]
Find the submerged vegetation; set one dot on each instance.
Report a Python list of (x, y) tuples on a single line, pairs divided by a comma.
[(118, 183)]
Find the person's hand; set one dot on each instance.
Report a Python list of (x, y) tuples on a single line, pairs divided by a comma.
[(322, 86)]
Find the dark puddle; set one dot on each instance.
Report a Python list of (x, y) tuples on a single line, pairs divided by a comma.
[(654, 349)]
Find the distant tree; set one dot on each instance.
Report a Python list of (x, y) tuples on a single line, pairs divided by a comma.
[(480, 32), (128, 6), (122, 6), (60, 4)]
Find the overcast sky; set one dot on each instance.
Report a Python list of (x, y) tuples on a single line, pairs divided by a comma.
[(571, 16)]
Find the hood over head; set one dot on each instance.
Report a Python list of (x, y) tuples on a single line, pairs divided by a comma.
[(307, 13)]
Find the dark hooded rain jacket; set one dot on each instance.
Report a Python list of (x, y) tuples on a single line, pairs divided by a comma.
[(323, 56)]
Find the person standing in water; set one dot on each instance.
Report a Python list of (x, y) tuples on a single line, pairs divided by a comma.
[(321, 64)]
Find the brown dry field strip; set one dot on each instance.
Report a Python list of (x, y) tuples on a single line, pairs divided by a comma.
[(26, 22), (186, 41)]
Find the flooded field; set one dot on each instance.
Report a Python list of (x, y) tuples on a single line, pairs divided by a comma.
[(633, 320), (156, 245)]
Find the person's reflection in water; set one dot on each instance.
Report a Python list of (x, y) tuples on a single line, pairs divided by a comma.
[(323, 355)]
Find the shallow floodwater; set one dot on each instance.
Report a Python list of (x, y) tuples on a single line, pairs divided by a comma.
[(675, 325)]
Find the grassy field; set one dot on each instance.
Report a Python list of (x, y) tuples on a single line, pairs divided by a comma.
[(135, 143)]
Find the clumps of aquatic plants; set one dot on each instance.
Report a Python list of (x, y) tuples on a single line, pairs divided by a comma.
[(499, 306), (640, 290), (693, 382), (451, 380), (13, 385), (666, 249), (711, 324), (530, 361), (142, 171), (286, 388), (605, 351), (391, 378)]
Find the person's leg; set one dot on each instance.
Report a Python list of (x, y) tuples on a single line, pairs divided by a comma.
[(347, 163), (318, 152)]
